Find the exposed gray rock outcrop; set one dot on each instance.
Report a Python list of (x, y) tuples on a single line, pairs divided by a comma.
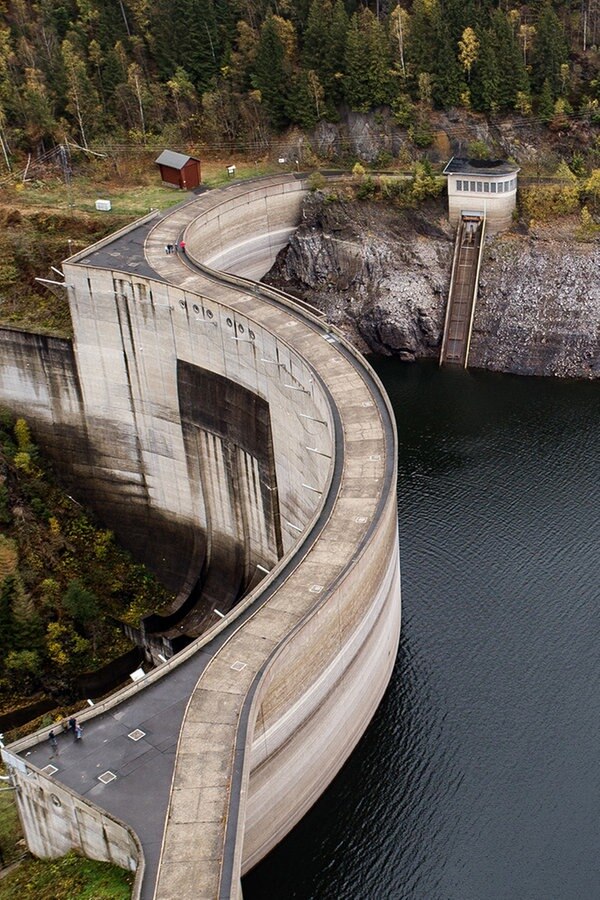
[(382, 276)]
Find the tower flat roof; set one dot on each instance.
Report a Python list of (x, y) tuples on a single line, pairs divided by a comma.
[(460, 165)]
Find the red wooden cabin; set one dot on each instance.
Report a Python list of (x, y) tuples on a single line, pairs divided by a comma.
[(178, 170)]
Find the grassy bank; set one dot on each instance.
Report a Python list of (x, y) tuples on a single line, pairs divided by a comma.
[(46, 219), (68, 878)]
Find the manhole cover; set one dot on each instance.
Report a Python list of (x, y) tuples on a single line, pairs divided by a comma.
[(136, 735), (107, 777)]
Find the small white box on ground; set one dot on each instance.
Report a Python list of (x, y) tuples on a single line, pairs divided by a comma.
[(103, 205)]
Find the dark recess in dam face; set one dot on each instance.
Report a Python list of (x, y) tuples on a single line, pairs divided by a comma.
[(231, 467), (230, 462)]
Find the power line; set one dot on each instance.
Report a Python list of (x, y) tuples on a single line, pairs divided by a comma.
[(276, 145)]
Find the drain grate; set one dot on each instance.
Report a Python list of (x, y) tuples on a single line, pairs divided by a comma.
[(136, 735), (107, 777), (49, 769)]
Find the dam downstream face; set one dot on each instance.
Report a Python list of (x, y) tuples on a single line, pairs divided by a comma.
[(478, 777)]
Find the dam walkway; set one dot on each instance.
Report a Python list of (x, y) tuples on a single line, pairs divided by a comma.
[(463, 290)]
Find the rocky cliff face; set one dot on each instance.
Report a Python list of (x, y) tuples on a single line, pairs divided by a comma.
[(382, 275)]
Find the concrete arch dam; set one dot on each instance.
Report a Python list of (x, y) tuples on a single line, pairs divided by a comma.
[(256, 436)]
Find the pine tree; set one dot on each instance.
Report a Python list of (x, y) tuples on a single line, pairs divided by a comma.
[(485, 84), (420, 48), (36, 112), (512, 76), (271, 74), (367, 81), (27, 626), (185, 35), (447, 80), (323, 47), (546, 102), (549, 52)]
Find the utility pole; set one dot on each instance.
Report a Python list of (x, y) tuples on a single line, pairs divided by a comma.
[(65, 162)]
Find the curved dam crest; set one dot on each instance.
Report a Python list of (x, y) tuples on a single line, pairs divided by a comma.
[(263, 447)]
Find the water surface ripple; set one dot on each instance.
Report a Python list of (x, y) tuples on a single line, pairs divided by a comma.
[(478, 778)]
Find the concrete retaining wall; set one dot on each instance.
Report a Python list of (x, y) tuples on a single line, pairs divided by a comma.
[(55, 820)]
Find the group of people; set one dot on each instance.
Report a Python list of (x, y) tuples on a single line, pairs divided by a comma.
[(67, 725), (172, 248)]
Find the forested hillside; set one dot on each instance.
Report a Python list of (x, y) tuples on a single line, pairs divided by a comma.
[(232, 72), (63, 581)]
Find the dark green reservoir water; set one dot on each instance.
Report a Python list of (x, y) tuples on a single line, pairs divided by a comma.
[(479, 777)]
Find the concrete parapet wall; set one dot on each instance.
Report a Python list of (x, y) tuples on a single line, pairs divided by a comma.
[(243, 234), (56, 820)]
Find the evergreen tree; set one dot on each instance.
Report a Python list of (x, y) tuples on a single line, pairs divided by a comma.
[(367, 81), (27, 630), (80, 604), (420, 48), (485, 84), (549, 52), (305, 105), (324, 42), (512, 76), (271, 74), (447, 79), (339, 32), (114, 69), (546, 102), (36, 113), (185, 35)]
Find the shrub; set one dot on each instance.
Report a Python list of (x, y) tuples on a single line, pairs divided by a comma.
[(404, 110), (22, 461), (23, 435), (421, 134), (317, 181), (587, 227), (79, 603), (24, 665), (366, 189), (544, 202), (478, 150), (424, 183)]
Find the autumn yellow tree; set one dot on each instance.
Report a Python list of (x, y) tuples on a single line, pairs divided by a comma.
[(468, 50)]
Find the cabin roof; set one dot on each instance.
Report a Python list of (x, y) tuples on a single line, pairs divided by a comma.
[(174, 160)]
